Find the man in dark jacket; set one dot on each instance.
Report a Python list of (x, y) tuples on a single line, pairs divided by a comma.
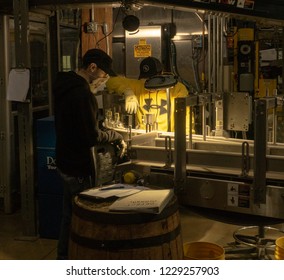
[(77, 131)]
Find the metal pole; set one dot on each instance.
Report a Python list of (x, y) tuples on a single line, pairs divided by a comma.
[(6, 140), (260, 146), (213, 54), (221, 55), (209, 54), (168, 108), (217, 54), (190, 127), (180, 143), (204, 132), (25, 123)]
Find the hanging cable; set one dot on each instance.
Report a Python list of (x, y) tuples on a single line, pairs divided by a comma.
[(115, 21)]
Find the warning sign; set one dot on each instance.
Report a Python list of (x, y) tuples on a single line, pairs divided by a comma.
[(142, 50)]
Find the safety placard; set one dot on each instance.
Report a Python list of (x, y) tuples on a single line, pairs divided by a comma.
[(144, 50), (233, 200), (233, 188)]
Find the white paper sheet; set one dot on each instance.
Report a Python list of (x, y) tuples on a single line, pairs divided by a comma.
[(118, 190), (18, 85)]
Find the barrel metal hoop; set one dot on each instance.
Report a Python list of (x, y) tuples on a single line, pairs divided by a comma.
[(124, 244)]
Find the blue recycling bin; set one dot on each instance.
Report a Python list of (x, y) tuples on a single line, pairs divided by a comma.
[(49, 184)]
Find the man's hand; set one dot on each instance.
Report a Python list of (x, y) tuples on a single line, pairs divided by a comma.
[(98, 84), (122, 148), (131, 102)]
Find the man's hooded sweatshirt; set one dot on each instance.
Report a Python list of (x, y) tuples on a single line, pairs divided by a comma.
[(76, 124)]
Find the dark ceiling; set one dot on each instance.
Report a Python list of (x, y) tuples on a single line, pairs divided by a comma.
[(273, 9)]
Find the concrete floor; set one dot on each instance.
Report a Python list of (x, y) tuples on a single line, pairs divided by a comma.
[(195, 227)]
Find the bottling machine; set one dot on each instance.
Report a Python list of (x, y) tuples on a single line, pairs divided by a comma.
[(232, 159), (217, 172)]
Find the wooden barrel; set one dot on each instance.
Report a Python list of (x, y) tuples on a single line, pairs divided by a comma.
[(98, 234)]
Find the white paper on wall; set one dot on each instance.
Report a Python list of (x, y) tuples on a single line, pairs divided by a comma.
[(18, 84)]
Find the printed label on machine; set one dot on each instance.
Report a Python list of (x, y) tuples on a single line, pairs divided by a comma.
[(142, 50), (238, 195), (233, 188), (232, 200)]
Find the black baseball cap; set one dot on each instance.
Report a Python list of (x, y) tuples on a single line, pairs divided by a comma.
[(149, 67), (100, 58)]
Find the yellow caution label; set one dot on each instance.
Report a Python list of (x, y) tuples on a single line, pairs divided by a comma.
[(142, 41), (142, 50)]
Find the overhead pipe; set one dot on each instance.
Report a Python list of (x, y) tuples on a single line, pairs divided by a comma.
[(221, 56), (214, 56), (209, 70), (217, 66)]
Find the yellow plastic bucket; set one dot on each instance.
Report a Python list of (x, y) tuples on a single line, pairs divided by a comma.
[(279, 248), (203, 251)]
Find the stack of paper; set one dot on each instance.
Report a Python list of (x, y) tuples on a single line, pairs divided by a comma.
[(117, 190), (147, 201)]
